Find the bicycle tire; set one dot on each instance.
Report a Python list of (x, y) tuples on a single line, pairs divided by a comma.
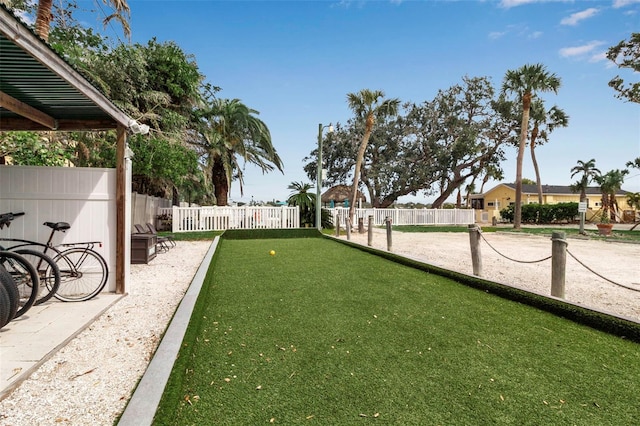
[(8, 297), (48, 273), (25, 277), (83, 274)]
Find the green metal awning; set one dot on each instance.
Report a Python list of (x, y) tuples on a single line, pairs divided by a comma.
[(39, 90)]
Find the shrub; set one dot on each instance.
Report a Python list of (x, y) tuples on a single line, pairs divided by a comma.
[(543, 213), (508, 213)]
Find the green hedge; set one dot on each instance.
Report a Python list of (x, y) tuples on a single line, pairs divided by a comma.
[(258, 234), (543, 213)]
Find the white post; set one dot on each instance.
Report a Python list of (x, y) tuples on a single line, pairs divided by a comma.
[(174, 219)]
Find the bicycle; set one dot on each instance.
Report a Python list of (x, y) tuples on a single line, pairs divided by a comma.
[(8, 297), (83, 271), (48, 272), (20, 278), (25, 279)]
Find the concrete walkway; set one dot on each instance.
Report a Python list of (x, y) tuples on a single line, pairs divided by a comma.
[(27, 342)]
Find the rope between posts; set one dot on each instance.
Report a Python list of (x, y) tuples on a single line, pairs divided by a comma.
[(604, 278), (509, 258)]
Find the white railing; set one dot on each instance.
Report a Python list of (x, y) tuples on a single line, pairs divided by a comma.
[(407, 216), (215, 218)]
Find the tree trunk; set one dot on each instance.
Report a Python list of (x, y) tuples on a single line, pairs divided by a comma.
[(175, 197), (359, 160), (605, 205), (43, 19), (220, 183), (615, 209), (526, 104), (485, 179), (438, 202), (534, 135)]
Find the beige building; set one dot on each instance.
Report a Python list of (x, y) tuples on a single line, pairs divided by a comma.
[(489, 204)]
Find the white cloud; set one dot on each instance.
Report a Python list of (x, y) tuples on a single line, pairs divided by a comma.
[(599, 57), (622, 3), (569, 52), (494, 35), (579, 16), (521, 31), (515, 3)]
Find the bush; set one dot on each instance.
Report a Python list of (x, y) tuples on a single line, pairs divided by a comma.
[(543, 213), (508, 213)]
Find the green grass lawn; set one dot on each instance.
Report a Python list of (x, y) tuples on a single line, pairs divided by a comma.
[(324, 333)]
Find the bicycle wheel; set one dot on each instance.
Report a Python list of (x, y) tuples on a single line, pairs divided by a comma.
[(48, 273), (8, 297), (25, 277), (83, 274)]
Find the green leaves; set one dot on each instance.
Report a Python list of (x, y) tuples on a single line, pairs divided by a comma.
[(35, 149), (626, 54), (432, 146)]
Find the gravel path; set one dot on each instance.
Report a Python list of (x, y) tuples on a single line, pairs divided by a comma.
[(89, 381)]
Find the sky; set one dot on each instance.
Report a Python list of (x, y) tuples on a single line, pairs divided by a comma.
[(296, 61)]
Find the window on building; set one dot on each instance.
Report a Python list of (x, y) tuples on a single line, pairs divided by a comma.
[(477, 203)]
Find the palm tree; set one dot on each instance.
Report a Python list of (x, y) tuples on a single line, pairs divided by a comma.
[(228, 130), (544, 122), (610, 183), (525, 82), (305, 199), (491, 171), (633, 200), (635, 163), (589, 173), (44, 16), (367, 105)]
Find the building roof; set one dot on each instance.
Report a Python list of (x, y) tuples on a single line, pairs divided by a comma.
[(559, 189), (549, 190), (339, 194), (39, 90)]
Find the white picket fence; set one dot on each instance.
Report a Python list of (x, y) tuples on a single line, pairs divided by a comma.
[(215, 218), (407, 216)]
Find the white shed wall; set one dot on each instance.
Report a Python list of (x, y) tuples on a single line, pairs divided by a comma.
[(83, 197)]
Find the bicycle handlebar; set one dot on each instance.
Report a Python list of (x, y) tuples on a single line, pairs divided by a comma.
[(6, 218)]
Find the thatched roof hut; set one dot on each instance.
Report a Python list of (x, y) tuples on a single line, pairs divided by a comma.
[(339, 194)]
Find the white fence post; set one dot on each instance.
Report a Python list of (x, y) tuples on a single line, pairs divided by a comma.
[(174, 219)]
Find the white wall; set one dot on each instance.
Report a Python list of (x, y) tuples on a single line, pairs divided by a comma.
[(83, 197)]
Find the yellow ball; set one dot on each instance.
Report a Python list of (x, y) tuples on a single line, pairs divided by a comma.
[(272, 252)]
